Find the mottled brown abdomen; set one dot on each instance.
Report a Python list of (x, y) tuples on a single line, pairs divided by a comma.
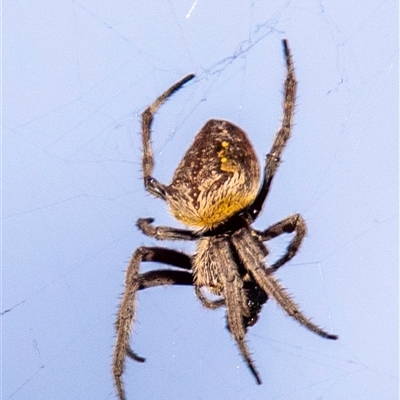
[(217, 177)]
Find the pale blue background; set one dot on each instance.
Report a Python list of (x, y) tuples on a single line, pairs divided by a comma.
[(76, 76)]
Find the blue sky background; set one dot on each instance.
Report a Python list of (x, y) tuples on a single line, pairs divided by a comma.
[(76, 76)]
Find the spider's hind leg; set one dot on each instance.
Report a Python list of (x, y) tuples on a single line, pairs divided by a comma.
[(151, 184), (282, 136)]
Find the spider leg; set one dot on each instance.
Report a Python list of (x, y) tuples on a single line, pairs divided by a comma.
[(282, 136), (171, 277), (167, 233), (252, 258), (164, 232), (232, 291), (151, 184), (211, 304), (134, 282), (294, 223)]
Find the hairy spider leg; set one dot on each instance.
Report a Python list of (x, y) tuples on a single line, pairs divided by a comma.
[(252, 258), (151, 184), (134, 282), (282, 136)]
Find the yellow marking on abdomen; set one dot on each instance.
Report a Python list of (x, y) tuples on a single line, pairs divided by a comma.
[(215, 213)]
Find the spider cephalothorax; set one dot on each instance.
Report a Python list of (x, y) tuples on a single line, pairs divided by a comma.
[(216, 190)]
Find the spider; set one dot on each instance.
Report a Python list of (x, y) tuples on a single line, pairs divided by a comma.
[(215, 190)]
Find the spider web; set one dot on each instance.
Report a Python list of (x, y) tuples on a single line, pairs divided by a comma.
[(76, 77)]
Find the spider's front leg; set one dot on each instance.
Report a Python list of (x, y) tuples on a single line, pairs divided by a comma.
[(134, 282), (294, 223), (168, 233), (232, 288), (253, 259)]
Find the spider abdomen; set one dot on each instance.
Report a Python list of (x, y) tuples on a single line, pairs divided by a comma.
[(217, 177)]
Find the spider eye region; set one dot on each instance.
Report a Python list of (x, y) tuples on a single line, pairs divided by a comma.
[(217, 177)]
